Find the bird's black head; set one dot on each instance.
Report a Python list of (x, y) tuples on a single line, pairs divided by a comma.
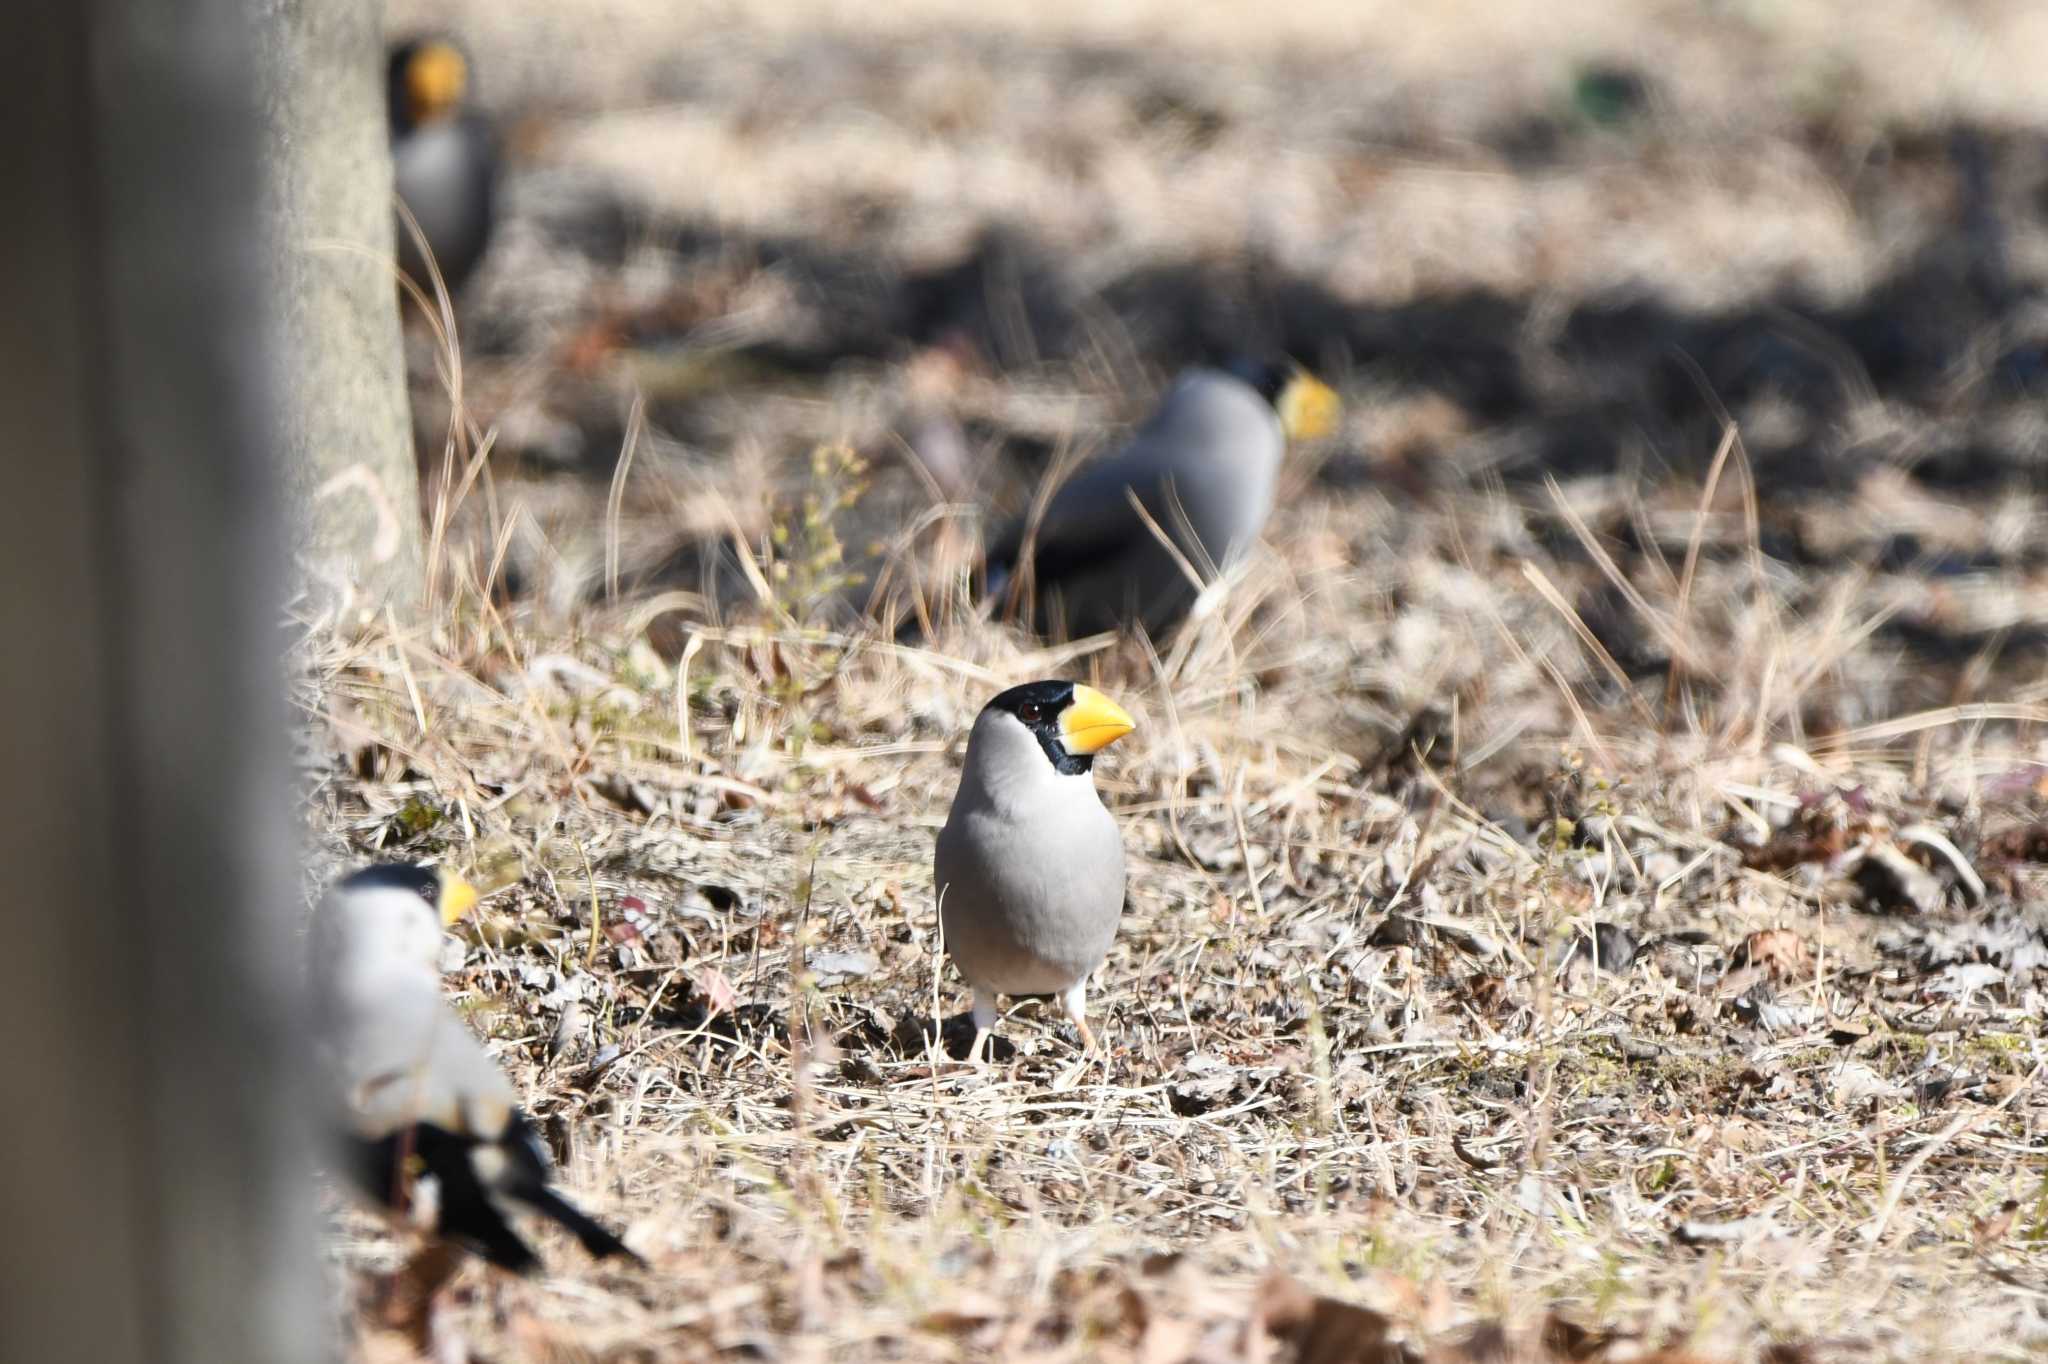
[(406, 876), (446, 895), (425, 80), (1267, 375), (1071, 722)]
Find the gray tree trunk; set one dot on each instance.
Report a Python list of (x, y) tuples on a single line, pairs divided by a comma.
[(153, 1165), (348, 456)]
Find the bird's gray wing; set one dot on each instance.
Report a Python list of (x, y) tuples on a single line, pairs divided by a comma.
[(1089, 520), (447, 177), (1208, 427)]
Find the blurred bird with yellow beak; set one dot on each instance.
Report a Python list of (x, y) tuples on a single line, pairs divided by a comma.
[(444, 161), (1204, 468)]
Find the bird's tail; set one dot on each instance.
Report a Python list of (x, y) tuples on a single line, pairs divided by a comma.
[(601, 1243)]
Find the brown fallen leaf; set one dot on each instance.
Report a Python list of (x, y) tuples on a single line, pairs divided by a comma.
[(1786, 1352), (1566, 1339), (964, 1315), (1323, 1330), (1986, 1232), (863, 795), (719, 994), (1791, 849), (586, 351), (1557, 1339), (1487, 994), (1486, 1342), (1102, 1304), (2025, 843), (1779, 953)]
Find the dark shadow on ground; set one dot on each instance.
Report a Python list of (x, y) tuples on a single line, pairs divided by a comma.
[(1930, 372)]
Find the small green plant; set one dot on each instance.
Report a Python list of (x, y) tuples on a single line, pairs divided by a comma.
[(810, 570), (417, 816)]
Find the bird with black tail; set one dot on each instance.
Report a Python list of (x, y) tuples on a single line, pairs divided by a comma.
[(428, 1125)]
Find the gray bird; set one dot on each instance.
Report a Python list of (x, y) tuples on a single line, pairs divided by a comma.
[(444, 161), (1030, 867), (428, 1119), (1204, 466)]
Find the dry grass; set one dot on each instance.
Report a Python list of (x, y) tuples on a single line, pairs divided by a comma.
[(1436, 1119), (1479, 700)]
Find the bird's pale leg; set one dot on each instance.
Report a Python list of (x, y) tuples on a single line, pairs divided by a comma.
[(1074, 1004), (984, 1024)]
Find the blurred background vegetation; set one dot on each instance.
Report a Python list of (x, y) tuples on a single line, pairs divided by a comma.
[(1526, 245)]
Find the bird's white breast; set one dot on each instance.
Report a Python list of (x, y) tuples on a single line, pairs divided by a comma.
[(1029, 867)]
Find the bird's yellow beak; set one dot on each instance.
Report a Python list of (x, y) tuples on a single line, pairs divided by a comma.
[(458, 897), (435, 80), (1308, 407), (1092, 722)]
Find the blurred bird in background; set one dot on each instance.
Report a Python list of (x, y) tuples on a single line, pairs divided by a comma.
[(444, 161), (1203, 468)]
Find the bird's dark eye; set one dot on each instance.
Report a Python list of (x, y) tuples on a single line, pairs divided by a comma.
[(430, 891), (1031, 712)]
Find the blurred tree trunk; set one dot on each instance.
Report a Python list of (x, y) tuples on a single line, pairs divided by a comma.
[(348, 454), (153, 1168)]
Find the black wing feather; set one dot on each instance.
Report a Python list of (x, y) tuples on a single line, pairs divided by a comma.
[(469, 1212)]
